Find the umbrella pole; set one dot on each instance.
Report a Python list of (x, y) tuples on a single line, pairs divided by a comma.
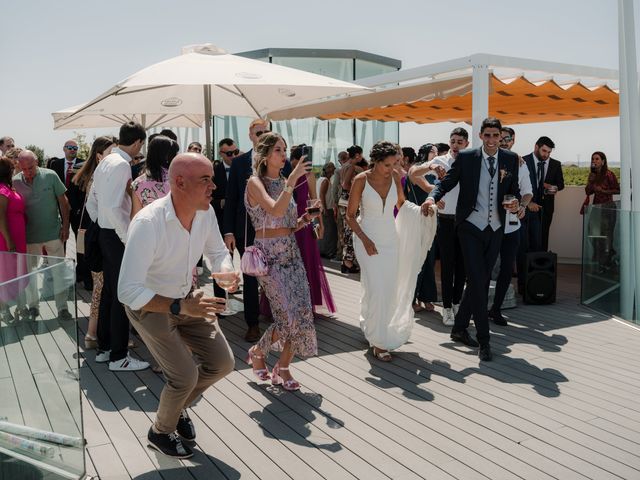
[(207, 120)]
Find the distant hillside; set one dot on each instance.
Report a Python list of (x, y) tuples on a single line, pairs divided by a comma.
[(578, 175)]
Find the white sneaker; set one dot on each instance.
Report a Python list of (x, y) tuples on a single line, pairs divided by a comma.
[(128, 364), (455, 309), (448, 317), (103, 357)]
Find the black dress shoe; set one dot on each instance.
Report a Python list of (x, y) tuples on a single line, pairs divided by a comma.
[(464, 337), (485, 353), (170, 444), (253, 334), (497, 318), (185, 427)]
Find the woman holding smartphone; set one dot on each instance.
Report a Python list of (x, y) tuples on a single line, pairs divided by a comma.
[(270, 206)]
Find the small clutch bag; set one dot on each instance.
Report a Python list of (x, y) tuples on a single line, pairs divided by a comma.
[(254, 262)]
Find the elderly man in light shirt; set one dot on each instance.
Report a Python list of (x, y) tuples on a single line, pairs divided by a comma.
[(165, 241), (452, 273), (109, 204)]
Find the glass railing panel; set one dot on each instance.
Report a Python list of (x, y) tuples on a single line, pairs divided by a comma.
[(41, 433)]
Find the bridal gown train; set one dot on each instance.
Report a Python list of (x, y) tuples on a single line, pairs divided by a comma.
[(388, 279)]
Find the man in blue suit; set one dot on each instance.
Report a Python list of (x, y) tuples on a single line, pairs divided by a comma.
[(235, 223), (485, 176)]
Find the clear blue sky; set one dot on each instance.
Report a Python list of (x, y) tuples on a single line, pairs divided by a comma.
[(58, 54)]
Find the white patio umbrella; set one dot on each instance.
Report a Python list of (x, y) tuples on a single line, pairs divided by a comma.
[(105, 116), (207, 81)]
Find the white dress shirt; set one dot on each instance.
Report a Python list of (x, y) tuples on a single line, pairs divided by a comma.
[(108, 202), (451, 197), (160, 253), (524, 182)]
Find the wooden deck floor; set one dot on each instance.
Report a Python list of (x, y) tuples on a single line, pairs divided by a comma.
[(559, 401)]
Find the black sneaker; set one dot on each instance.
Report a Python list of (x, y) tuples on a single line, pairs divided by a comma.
[(168, 443), (185, 427)]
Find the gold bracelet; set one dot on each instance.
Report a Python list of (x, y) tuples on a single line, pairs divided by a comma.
[(288, 189)]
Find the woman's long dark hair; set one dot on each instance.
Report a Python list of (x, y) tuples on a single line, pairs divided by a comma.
[(601, 175), (6, 170), (161, 151), (83, 177)]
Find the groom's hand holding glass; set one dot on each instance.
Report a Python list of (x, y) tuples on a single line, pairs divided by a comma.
[(510, 203)]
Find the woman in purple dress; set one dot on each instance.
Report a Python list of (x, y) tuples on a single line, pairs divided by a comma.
[(269, 203), (307, 242)]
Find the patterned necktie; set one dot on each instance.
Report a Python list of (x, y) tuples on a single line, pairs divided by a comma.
[(492, 168), (67, 178)]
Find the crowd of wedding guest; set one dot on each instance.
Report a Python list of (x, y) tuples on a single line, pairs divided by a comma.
[(150, 224)]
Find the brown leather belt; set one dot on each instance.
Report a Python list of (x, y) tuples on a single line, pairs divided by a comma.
[(274, 232)]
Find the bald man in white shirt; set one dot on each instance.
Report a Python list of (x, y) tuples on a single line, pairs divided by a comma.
[(165, 241)]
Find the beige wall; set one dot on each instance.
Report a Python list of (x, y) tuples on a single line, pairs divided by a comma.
[(565, 237)]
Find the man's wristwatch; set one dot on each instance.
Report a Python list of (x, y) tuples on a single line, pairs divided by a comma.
[(175, 306)]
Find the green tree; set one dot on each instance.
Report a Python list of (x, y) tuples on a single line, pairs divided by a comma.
[(39, 153), (83, 147)]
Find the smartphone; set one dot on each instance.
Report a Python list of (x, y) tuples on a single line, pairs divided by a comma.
[(308, 151)]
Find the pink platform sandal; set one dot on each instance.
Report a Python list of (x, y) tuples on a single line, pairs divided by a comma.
[(261, 373), (290, 385)]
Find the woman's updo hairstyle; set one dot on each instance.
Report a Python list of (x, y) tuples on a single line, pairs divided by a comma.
[(264, 148), (382, 150)]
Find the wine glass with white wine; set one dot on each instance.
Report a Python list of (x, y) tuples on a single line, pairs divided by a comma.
[(226, 280)]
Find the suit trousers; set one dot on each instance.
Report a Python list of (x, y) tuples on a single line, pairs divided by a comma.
[(545, 227), (452, 273), (480, 250), (250, 296), (113, 325), (426, 290), (173, 340), (508, 253)]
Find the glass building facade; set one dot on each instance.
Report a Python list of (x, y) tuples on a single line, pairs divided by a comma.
[(328, 137)]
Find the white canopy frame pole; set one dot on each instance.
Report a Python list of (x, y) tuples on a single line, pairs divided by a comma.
[(629, 161), (207, 121), (479, 101)]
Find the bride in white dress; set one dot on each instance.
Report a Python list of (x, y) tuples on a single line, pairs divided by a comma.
[(387, 278)]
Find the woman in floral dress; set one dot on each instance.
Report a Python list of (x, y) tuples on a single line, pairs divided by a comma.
[(270, 206)]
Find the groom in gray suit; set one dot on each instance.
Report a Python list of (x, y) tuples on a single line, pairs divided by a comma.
[(485, 176)]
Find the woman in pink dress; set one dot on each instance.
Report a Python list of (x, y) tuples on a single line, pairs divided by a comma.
[(12, 239)]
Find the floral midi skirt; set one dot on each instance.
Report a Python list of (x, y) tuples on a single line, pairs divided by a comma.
[(287, 288)]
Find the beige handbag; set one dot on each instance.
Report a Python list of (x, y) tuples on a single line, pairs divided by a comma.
[(81, 231)]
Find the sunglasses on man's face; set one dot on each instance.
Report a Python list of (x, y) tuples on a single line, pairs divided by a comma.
[(260, 132), (139, 157), (71, 147), (506, 139), (231, 153)]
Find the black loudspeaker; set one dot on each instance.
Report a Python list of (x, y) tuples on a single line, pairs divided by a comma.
[(541, 277)]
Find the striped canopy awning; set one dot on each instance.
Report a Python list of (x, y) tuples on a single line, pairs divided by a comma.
[(513, 100)]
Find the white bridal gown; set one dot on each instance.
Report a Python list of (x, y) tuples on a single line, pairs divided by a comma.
[(388, 279)]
